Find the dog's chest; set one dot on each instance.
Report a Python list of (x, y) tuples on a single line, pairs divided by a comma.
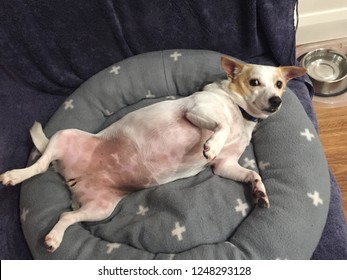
[(240, 136)]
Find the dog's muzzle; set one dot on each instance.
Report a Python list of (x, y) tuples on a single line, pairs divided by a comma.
[(275, 103)]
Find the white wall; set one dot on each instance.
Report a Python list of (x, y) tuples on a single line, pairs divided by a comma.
[(321, 20)]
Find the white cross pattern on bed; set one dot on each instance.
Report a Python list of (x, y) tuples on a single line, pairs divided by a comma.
[(315, 197), (108, 113), (68, 104), (249, 163), (241, 207), (263, 165), (112, 246), (172, 97), (175, 55), (309, 136), (23, 215), (178, 230), (150, 94), (142, 210), (115, 70)]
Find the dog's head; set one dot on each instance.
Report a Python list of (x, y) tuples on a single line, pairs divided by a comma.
[(259, 88)]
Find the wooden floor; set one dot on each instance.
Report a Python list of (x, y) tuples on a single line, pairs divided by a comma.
[(332, 124)]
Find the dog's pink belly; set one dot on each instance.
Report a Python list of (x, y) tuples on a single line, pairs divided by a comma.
[(125, 164)]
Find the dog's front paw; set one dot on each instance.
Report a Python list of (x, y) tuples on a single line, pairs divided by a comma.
[(211, 150), (259, 194), (10, 178), (261, 199), (52, 241), (208, 154)]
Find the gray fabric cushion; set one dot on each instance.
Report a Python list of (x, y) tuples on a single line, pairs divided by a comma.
[(202, 217)]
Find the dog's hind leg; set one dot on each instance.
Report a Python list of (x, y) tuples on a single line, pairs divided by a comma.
[(50, 154), (92, 211), (16, 176)]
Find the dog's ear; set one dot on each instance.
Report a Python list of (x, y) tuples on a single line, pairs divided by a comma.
[(290, 72), (231, 67)]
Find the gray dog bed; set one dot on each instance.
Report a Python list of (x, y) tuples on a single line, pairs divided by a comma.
[(202, 217)]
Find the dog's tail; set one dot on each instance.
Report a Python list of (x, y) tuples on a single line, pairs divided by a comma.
[(39, 138)]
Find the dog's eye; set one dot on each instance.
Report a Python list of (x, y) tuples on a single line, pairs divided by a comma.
[(279, 84), (254, 82)]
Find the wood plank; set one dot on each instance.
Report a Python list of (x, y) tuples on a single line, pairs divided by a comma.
[(332, 123)]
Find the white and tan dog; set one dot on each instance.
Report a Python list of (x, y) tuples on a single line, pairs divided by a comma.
[(161, 143)]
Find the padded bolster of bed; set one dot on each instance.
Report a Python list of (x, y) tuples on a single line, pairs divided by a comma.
[(202, 217)]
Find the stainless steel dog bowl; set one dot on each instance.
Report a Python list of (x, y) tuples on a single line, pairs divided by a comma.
[(328, 71)]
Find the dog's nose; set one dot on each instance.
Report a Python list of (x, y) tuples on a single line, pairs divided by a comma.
[(275, 102)]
